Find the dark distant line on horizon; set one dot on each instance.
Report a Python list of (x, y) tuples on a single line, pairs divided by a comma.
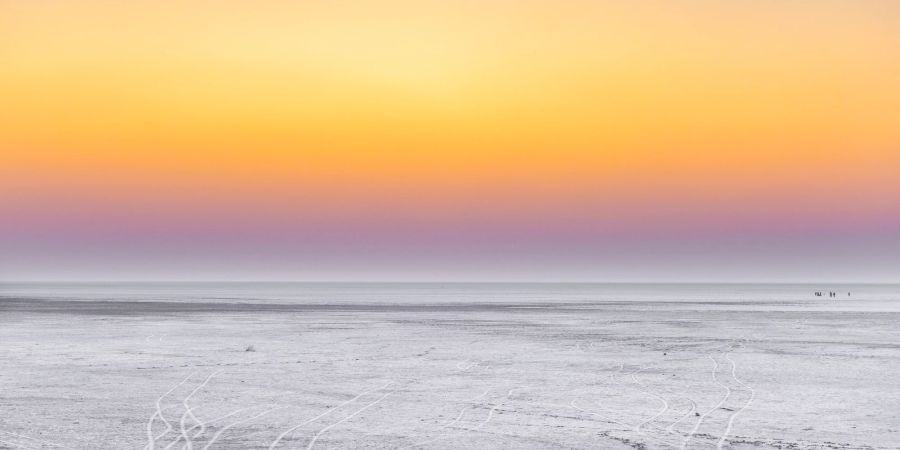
[(458, 282)]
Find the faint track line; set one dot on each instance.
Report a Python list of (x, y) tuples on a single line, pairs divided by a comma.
[(323, 430), (668, 429), (448, 425), (622, 424), (22, 436), (671, 427), (17, 445), (638, 428), (707, 413), (226, 427), (494, 408), (327, 412), (214, 420), (721, 442), (151, 440), (481, 425), (189, 412), (643, 388)]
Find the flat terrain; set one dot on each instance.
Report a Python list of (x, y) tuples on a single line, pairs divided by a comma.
[(638, 374)]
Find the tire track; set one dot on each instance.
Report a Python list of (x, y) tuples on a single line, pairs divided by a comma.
[(666, 405), (233, 424), (13, 444), (448, 425), (324, 430), (623, 425), (327, 412), (643, 388), (151, 440), (671, 427), (494, 408), (707, 413), (639, 427), (22, 436), (189, 412), (721, 442), (217, 419)]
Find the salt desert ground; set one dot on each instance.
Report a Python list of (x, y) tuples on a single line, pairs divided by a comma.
[(506, 366)]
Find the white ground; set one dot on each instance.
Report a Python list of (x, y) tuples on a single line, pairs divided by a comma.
[(638, 375)]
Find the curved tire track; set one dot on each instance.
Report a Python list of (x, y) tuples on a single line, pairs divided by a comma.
[(151, 440), (721, 442), (707, 413), (327, 412), (324, 430)]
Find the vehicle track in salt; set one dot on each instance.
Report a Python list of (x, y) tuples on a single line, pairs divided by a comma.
[(16, 445), (222, 430), (643, 388), (450, 424), (677, 396), (625, 426), (312, 441), (496, 405), (734, 415), (639, 428), (462, 367), (188, 412), (671, 427), (706, 414), (666, 407), (151, 440), (22, 436), (327, 412), (494, 408), (212, 421)]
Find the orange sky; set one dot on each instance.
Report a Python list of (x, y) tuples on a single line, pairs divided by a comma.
[(697, 115)]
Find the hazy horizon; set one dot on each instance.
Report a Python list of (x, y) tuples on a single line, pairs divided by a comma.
[(412, 140)]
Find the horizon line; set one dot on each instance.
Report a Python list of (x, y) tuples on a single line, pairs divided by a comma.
[(212, 281)]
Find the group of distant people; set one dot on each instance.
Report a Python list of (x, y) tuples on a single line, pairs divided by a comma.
[(830, 294)]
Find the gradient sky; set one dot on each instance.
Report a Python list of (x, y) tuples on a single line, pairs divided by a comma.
[(483, 140)]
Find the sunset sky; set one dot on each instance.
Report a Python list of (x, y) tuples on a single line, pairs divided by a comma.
[(433, 140)]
